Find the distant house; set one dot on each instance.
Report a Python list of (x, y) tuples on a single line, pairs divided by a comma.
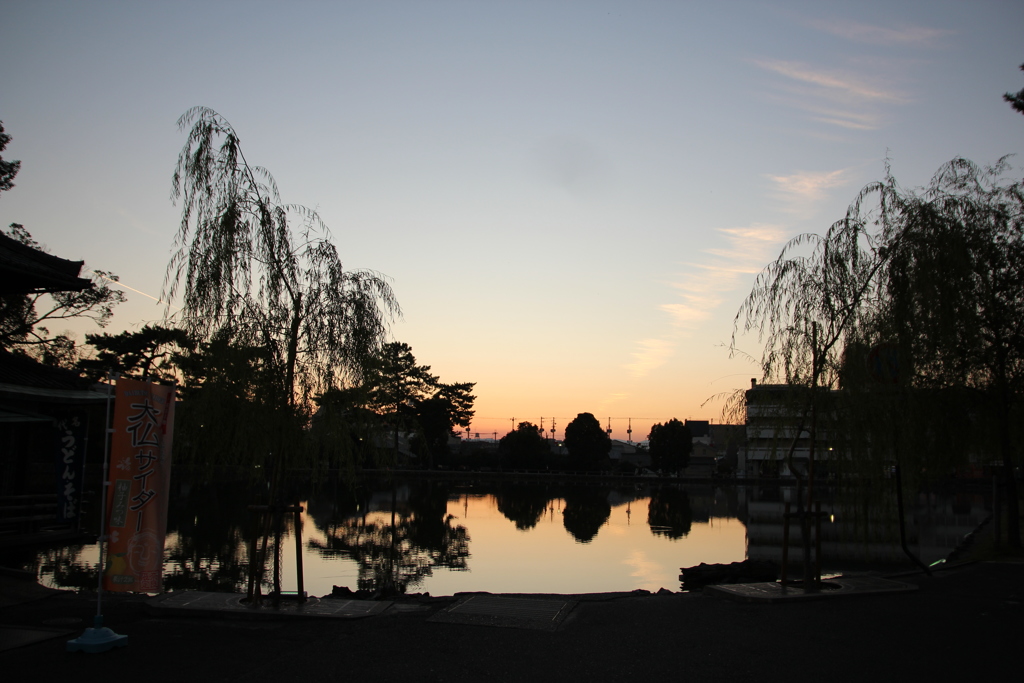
[(628, 453), (700, 430)]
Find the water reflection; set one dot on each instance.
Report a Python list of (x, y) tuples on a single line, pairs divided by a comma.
[(523, 505), (860, 527), (669, 512), (396, 554), (206, 547), (64, 568), (586, 510), (450, 536)]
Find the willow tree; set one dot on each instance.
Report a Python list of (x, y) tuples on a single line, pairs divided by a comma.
[(807, 307), (263, 282), (955, 281), (911, 305), (813, 303)]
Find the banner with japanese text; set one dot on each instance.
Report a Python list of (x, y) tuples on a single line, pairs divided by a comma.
[(69, 447), (140, 478)]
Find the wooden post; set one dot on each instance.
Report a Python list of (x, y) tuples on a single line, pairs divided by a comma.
[(997, 514), (817, 543), (298, 551), (785, 545), (251, 592), (276, 513)]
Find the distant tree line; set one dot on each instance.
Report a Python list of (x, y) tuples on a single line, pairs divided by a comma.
[(588, 446)]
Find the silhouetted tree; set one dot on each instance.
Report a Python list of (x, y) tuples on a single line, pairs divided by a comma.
[(588, 444), (437, 417), (524, 447), (930, 279), (225, 416), (254, 281), (393, 383), (1016, 100), (409, 397), (149, 352), (25, 319), (8, 169), (670, 446), (955, 303)]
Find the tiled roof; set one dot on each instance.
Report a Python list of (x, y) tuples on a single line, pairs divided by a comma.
[(24, 270), (22, 371)]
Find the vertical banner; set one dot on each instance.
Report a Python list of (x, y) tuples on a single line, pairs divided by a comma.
[(69, 448), (140, 477)]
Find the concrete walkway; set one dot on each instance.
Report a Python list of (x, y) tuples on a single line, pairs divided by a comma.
[(200, 604), (965, 621), (840, 587)]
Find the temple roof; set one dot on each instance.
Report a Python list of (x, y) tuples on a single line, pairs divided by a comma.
[(24, 270)]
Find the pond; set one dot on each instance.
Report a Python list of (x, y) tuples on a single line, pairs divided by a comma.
[(446, 536)]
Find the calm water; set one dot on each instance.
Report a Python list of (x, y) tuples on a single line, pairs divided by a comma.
[(444, 537)]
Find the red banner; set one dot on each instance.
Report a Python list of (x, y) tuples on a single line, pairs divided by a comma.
[(140, 478)]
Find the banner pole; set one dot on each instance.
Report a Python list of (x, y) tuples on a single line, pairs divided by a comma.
[(102, 539), (98, 638)]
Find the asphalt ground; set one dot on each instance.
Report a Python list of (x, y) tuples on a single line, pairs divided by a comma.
[(962, 622)]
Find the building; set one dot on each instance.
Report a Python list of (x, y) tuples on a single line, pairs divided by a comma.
[(51, 419), (775, 413)]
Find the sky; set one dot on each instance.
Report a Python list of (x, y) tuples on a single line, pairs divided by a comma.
[(571, 199)]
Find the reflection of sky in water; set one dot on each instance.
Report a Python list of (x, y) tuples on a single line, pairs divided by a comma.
[(624, 555), (623, 551)]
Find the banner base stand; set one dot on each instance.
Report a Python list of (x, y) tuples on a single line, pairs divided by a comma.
[(97, 639)]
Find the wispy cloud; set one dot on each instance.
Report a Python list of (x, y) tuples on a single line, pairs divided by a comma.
[(650, 355), (880, 35), (702, 289), (856, 93), (607, 405), (835, 82), (802, 190)]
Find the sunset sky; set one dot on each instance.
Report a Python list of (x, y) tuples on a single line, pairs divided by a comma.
[(571, 198)]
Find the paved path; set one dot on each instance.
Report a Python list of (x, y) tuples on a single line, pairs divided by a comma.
[(964, 622)]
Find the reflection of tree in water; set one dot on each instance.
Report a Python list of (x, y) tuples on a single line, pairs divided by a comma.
[(395, 555), (669, 513), (333, 505), (65, 568), (207, 527), (430, 525), (586, 510), (524, 504)]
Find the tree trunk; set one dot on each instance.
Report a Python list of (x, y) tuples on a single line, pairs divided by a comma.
[(293, 348)]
